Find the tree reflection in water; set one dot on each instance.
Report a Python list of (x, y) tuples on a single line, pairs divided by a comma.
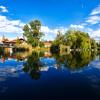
[(75, 60), (32, 66)]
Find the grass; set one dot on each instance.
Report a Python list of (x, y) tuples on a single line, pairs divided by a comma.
[(30, 48)]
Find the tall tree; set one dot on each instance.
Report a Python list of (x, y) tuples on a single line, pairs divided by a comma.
[(77, 39), (59, 39), (32, 32)]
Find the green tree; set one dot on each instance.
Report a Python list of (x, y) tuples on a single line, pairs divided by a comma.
[(32, 32), (93, 44), (18, 42), (98, 45), (77, 39), (57, 42), (59, 39)]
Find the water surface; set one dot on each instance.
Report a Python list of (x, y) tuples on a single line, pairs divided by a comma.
[(50, 76)]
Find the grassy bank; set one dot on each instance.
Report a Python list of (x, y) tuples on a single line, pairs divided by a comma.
[(27, 47)]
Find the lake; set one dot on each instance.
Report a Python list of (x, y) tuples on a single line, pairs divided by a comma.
[(42, 75)]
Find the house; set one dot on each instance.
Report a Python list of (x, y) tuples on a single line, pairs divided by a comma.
[(7, 42), (47, 44)]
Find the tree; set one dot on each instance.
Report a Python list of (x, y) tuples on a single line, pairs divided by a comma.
[(57, 42), (32, 32), (98, 45), (18, 42), (77, 39), (93, 44), (74, 39), (59, 39)]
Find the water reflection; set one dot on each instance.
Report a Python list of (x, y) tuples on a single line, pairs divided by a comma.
[(32, 65), (35, 62), (74, 60), (36, 65), (38, 62), (19, 56)]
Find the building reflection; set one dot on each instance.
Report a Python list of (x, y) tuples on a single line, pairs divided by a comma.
[(19, 56)]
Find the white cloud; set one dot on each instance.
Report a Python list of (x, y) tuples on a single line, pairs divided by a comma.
[(50, 34), (93, 33), (13, 28), (96, 10), (76, 26), (61, 29), (89, 30), (94, 17), (96, 34), (93, 20), (3, 9), (84, 24), (47, 30), (10, 26)]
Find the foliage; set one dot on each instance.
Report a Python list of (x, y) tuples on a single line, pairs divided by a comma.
[(18, 42), (56, 43), (32, 32), (75, 39), (41, 44), (75, 60), (55, 48), (93, 44), (98, 45), (59, 39)]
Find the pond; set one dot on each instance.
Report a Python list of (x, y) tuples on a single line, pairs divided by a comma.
[(42, 75)]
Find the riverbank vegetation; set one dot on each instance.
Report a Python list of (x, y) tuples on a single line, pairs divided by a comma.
[(72, 40)]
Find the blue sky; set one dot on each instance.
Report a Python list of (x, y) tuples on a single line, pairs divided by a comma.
[(54, 14)]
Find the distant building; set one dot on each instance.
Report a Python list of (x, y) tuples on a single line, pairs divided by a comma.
[(7, 42), (47, 44)]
